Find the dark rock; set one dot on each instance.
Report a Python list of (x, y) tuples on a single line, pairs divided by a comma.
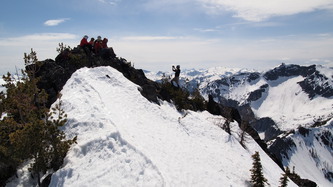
[(268, 126), (53, 75), (252, 77), (212, 106), (228, 112), (329, 175), (224, 82), (317, 84), (46, 181), (246, 113), (6, 170), (304, 182), (327, 138), (149, 91), (288, 71), (52, 78), (281, 147), (257, 94), (303, 131)]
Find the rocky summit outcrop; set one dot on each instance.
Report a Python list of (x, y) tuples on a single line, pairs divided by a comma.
[(289, 70), (53, 74)]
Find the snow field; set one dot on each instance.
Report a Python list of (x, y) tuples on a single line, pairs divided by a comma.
[(289, 106), (310, 157), (125, 140)]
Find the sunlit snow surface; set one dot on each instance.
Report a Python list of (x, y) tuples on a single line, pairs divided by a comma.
[(288, 105), (125, 140), (311, 157)]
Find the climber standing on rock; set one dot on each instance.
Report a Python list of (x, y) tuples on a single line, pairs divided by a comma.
[(85, 45), (176, 78), (98, 45), (84, 41)]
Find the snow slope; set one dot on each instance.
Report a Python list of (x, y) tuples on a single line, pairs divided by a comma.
[(311, 156), (289, 106), (125, 140), (285, 102)]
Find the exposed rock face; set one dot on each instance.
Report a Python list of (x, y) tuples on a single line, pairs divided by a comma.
[(289, 71), (268, 127), (6, 170), (281, 146), (317, 84), (257, 94)]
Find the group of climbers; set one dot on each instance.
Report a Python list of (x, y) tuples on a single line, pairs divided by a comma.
[(100, 47), (95, 46)]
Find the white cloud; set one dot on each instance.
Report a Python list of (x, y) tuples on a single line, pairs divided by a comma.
[(149, 38), (48, 36), (259, 10), (55, 22), (110, 2), (45, 44), (206, 30), (36, 39)]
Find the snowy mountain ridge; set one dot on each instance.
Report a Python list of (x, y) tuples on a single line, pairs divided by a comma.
[(125, 140)]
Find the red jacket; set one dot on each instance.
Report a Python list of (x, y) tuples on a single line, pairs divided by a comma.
[(84, 42), (97, 47), (105, 43)]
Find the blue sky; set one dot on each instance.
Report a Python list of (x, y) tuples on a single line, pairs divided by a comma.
[(155, 34)]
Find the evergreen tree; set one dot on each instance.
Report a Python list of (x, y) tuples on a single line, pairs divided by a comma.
[(30, 130), (62, 47), (257, 176), (284, 180)]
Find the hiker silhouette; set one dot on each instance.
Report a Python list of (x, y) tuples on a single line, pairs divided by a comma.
[(177, 73)]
